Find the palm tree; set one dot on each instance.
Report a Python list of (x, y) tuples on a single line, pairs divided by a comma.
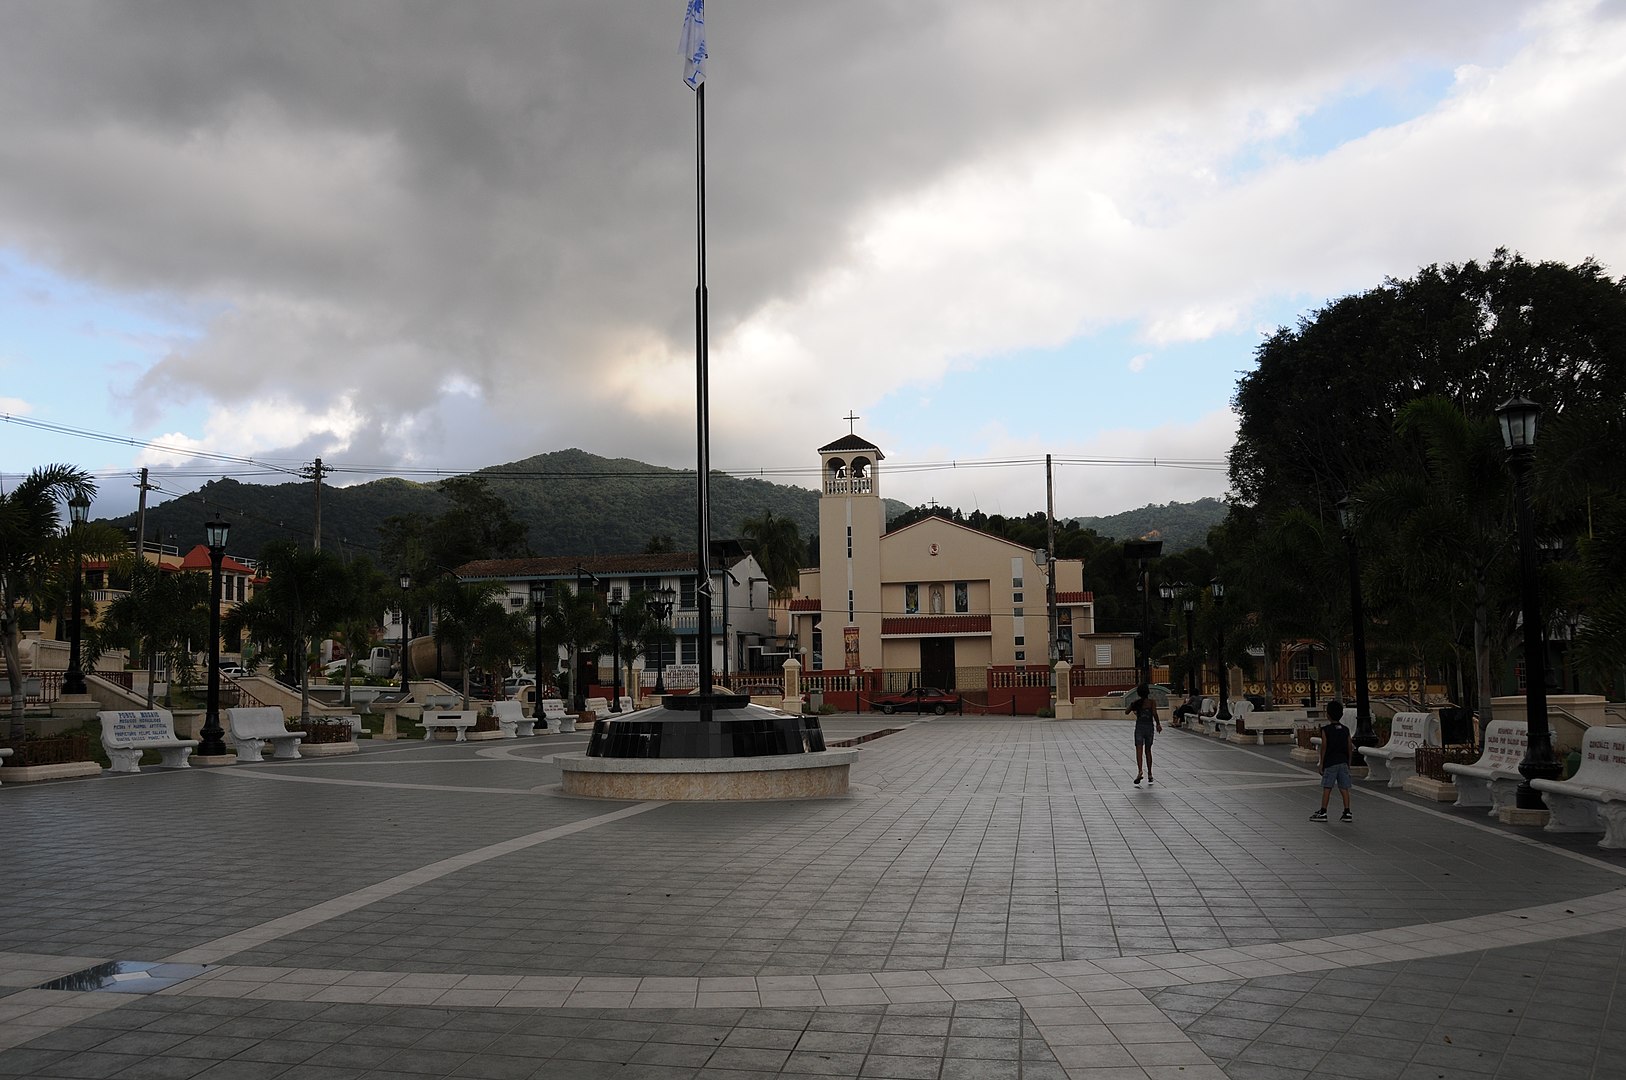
[(372, 594), (462, 610), (642, 633), (30, 535), (163, 612), (577, 621), (777, 544), (307, 594)]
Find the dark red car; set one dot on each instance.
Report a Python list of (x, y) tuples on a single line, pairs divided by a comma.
[(918, 699)]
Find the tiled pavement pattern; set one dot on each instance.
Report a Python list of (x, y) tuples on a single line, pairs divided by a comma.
[(994, 900), (1553, 1011)]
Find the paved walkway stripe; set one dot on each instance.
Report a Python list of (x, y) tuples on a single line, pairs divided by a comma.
[(217, 950)]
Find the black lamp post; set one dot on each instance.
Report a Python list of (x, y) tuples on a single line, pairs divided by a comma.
[(1572, 623), (1518, 416), (538, 594), (405, 581), (615, 652), (1364, 735), (73, 682), (1143, 551), (1218, 589), (1165, 593), (1190, 604), (660, 608), (212, 738)]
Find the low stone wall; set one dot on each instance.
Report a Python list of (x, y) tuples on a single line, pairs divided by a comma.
[(789, 776)]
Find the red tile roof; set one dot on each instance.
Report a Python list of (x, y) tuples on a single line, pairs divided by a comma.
[(198, 559), (805, 603), (1085, 597), (564, 566), (929, 625)]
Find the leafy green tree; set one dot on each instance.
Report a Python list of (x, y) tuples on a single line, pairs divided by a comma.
[(660, 544), (479, 525), (31, 543), (501, 640), (306, 596), (1317, 412), (1451, 523)]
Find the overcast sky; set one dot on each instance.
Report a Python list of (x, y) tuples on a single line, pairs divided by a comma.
[(443, 236)]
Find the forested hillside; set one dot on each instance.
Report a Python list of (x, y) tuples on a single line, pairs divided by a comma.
[(1181, 525), (570, 502)]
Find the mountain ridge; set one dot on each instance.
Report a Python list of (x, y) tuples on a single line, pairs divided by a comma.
[(570, 501)]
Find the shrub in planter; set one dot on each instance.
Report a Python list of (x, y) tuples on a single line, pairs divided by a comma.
[(324, 731), (51, 749), (486, 722)]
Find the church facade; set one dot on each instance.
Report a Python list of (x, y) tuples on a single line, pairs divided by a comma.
[(936, 603)]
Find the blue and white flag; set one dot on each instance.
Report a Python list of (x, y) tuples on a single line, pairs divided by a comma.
[(694, 44)]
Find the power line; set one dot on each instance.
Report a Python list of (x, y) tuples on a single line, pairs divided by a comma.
[(303, 470)]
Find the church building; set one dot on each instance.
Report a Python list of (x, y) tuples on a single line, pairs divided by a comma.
[(934, 603)]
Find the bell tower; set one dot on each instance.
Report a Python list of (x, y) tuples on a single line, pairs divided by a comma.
[(851, 521)]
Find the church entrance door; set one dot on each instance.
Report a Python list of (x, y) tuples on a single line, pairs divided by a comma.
[(937, 663)]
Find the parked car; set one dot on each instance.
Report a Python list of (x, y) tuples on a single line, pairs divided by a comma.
[(918, 699), (1159, 694), (234, 671), (513, 688)]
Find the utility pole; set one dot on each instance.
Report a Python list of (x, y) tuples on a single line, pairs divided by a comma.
[(1050, 562), (315, 472), (141, 518)]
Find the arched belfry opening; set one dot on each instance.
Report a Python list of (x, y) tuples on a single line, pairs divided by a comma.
[(849, 466)]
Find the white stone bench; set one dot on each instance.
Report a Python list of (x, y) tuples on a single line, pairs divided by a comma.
[(599, 707), (440, 701), (126, 733), (462, 722), (1594, 799), (5, 751), (512, 719), (1226, 729), (1260, 727), (626, 704), (1396, 760), (554, 716), (1492, 780), (248, 730)]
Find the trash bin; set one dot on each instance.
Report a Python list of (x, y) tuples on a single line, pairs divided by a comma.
[(815, 700), (1455, 730)]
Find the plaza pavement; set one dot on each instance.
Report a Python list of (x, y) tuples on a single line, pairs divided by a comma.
[(994, 901)]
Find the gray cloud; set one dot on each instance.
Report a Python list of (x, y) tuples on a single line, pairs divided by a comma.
[(374, 199)]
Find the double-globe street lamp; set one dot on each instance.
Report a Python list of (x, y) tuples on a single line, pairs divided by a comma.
[(1143, 551), (405, 581), (539, 593), (1364, 735), (659, 606), (1217, 587), (615, 652), (212, 737), (73, 681), (1517, 417), (1190, 606)]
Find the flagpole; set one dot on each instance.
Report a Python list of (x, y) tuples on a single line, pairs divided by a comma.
[(702, 397)]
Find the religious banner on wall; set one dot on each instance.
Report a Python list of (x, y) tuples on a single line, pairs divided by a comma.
[(849, 638)]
